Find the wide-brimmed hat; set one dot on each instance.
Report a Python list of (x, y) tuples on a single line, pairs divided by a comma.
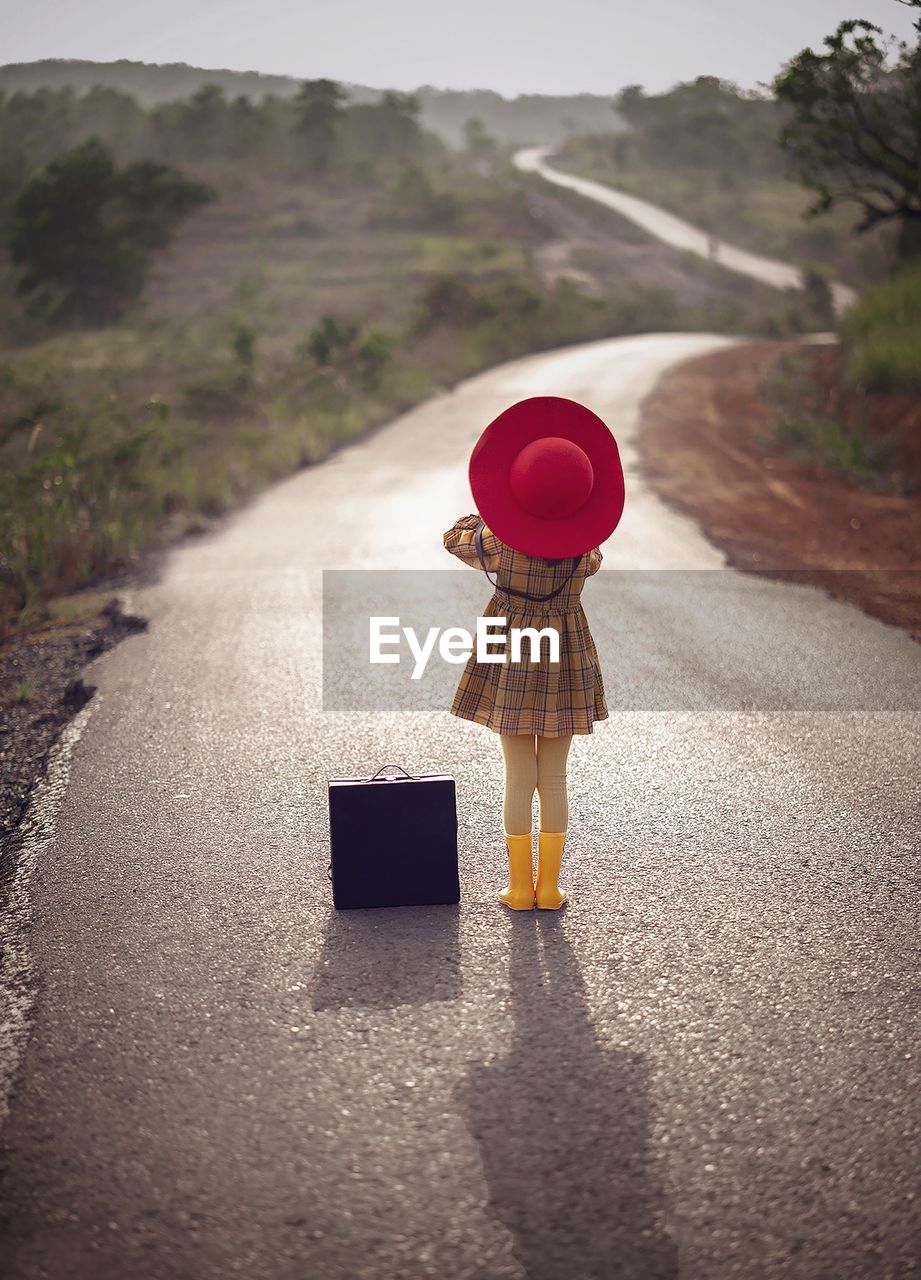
[(547, 479)]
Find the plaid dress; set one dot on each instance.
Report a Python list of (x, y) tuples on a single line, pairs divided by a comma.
[(548, 698)]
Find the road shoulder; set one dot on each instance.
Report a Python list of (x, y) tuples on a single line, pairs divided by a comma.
[(42, 688), (708, 447)]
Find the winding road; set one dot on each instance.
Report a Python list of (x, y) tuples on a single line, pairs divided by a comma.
[(705, 1066), (674, 231)]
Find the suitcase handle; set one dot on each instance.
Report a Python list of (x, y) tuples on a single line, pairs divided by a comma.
[(375, 778)]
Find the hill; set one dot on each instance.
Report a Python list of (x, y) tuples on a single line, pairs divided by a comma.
[(526, 118)]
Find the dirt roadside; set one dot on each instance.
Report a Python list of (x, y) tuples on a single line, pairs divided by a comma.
[(42, 686), (708, 446)]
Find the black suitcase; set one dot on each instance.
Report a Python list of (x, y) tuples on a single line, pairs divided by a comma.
[(393, 840)]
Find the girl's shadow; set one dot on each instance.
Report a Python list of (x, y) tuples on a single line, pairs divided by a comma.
[(563, 1125)]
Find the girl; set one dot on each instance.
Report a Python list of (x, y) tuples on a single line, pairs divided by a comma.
[(547, 475)]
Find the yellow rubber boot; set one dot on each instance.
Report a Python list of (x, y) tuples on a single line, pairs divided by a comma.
[(519, 893), (548, 893)]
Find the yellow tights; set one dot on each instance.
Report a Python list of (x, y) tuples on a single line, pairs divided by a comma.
[(535, 762)]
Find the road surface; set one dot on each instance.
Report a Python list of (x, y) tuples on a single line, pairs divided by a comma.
[(672, 230), (706, 1065)]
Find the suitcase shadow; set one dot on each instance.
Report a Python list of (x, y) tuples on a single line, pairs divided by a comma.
[(563, 1126), (382, 957)]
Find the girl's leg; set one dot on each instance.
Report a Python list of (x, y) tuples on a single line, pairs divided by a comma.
[(520, 754), (552, 755), (520, 781)]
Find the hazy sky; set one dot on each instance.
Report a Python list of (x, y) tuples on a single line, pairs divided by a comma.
[(512, 46)]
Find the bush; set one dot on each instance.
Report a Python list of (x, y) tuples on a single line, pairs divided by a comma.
[(330, 340), (817, 297), (340, 345), (450, 300), (220, 397), (833, 444), (412, 201), (84, 231), (373, 354), (243, 346), (882, 335)]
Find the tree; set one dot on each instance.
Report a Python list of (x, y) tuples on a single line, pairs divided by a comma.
[(701, 124), (112, 115), (388, 129), (84, 231), (855, 130), (344, 348), (478, 141), (204, 121), (319, 111), (249, 128)]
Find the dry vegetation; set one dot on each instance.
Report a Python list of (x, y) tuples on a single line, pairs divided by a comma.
[(117, 438)]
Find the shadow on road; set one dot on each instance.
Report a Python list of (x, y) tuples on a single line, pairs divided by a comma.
[(563, 1126), (387, 956)]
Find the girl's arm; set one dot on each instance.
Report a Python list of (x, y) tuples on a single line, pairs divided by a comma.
[(459, 540)]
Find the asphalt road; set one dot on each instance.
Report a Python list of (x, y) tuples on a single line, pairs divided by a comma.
[(675, 231), (706, 1065)]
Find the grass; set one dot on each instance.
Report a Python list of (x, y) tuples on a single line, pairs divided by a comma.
[(80, 608), (23, 691), (828, 441), (882, 336), (808, 432), (475, 255)]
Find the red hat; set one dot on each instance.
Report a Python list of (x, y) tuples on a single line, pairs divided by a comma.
[(547, 479)]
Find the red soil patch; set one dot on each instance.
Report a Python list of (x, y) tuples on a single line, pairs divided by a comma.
[(707, 446)]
